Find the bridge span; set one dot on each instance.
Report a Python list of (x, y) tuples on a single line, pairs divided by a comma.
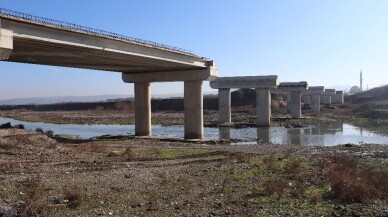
[(26, 38)]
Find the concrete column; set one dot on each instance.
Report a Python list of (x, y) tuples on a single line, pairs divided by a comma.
[(224, 105), (142, 109), (193, 100), (327, 100), (296, 111), (316, 102), (306, 100), (263, 107), (338, 97), (288, 95)]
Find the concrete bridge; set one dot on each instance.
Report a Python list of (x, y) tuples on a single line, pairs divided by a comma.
[(262, 85), (31, 39)]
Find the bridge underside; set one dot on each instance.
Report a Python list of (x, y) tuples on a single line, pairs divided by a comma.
[(27, 50), (28, 41)]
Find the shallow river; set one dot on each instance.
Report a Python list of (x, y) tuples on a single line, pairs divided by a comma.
[(324, 134)]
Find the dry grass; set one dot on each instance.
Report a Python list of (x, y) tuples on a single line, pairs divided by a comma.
[(32, 202), (73, 196), (351, 183)]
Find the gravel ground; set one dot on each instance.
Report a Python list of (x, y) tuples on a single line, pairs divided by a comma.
[(40, 176)]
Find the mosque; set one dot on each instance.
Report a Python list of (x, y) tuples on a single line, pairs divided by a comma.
[(356, 89)]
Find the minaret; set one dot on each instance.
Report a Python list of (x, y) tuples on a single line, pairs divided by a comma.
[(361, 80)]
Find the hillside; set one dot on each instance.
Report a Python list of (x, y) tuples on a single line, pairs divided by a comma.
[(371, 104)]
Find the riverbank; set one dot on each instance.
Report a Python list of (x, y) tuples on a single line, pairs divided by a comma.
[(153, 177)]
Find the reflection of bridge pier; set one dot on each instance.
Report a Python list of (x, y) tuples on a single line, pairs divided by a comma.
[(295, 135), (224, 132), (264, 134)]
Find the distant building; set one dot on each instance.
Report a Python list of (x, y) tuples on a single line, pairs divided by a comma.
[(354, 90)]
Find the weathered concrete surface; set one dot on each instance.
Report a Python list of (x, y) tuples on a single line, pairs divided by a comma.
[(224, 104), (315, 102), (208, 73), (295, 88), (327, 96), (6, 43), (306, 100), (263, 107), (338, 97), (142, 109), (262, 84), (193, 106), (269, 81), (37, 42), (315, 96)]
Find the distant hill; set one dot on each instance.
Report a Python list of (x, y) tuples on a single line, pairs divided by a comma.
[(372, 103), (60, 99)]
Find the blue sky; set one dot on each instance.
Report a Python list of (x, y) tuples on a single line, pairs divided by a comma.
[(323, 42)]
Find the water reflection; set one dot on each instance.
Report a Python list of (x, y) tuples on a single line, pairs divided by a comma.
[(322, 134), (263, 134), (224, 132)]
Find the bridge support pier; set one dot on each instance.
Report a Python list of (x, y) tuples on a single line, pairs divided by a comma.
[(306, 100), (193, 106), (327, 100), (288, 96), (142, 109), (316, 102), (263, 107), (296, 111), (224, 104)]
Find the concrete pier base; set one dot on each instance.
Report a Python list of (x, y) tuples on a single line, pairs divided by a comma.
[(224, 104), (296, 111), (263, 107), (316, 102), (142, 109), (193, 106)]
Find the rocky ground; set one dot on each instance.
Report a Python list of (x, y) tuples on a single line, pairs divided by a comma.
[(40, 176)]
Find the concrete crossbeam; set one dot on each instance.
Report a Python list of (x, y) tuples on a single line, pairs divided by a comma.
[(209, 73), (269, 81)]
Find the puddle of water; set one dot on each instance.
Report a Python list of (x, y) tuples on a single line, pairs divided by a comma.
[(321, 134)]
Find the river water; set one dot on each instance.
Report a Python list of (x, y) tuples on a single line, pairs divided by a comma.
[(322, 134)]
